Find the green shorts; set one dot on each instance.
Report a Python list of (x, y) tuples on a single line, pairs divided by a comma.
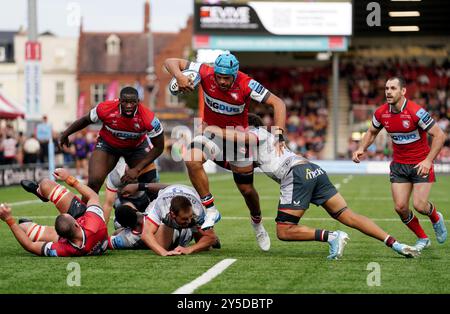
[(305, 184)]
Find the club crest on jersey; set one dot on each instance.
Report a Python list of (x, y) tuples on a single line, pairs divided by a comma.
[(405, 123), (136, 126), (235, 96)]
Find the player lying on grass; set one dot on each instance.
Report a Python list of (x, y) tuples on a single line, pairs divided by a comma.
[(79, 229), (75, 206), (168, 224), (301, 183)]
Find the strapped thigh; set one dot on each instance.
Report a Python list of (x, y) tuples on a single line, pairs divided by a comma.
[(58, 193)]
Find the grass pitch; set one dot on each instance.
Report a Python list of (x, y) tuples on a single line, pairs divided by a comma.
[(288, 268)]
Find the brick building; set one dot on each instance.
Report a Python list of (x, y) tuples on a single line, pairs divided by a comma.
[(133, 58)]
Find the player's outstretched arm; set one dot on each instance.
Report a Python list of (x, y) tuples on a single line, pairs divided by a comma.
[(206, 239), (149, 238), (74, 127), (84, 190), (366, 141), (19, 234)]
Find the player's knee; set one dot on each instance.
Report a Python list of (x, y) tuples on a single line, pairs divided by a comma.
[(247, 190), (285, 223), (244, 181), (284, 231), (45, 186), (193, 165), (421, 206), (95, 183), (401, 208)]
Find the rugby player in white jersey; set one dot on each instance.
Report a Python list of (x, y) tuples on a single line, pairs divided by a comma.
[(301, 183), (168, 224)]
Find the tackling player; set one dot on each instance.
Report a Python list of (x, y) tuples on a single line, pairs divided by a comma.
[(412, 167), (301, 183), (126, 124), (169, 223), (79, 230), (227, 94)]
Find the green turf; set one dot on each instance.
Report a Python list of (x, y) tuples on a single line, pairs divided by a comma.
[(289, 267)]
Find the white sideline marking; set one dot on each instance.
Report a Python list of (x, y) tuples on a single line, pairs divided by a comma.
[(209, 275)]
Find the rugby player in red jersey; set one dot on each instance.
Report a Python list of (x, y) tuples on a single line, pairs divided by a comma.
[(81, 235), (412, 170), (126, 124), (227, 94)]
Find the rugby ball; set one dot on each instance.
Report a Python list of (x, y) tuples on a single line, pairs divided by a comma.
[(194, 76)]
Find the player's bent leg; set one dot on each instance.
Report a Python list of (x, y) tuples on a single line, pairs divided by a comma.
[(100, 164), (194, 159), (243, 177), (401, 192), (421, 192), (33, 187), (336, 206), (57, 194), (289, 230), (37, 232)]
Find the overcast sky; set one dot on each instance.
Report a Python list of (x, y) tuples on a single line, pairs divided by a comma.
[(61, 16)]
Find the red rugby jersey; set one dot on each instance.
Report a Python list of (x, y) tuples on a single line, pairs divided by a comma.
[(230, 107), (407, 129), (95, 237), (125, 132)]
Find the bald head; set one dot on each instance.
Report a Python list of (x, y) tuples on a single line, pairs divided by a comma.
[(65, 226)]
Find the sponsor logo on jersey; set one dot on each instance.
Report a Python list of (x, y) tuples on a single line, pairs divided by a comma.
[(405, 124), (311, 174), (124, 135), (405, 138), (156, 125), (256, 87), (223, 107), (424, 116)]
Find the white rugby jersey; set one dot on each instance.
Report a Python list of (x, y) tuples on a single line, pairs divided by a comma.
[(267, 158), (158, 210)]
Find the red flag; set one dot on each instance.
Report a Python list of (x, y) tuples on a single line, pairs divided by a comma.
[(81, 104), (111, 92)]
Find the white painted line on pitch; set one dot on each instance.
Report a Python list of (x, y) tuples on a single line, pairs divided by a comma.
[(337, 186), (209, 275)]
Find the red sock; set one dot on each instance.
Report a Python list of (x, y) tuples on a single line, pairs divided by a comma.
[(414, 225), (434, 217)]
